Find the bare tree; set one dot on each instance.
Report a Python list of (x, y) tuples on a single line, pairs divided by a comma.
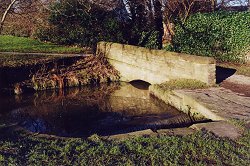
[(19, 15), (176, 11), (248, 5), (5, 13)]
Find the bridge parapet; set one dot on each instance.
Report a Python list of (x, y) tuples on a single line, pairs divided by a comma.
[(156, 66)]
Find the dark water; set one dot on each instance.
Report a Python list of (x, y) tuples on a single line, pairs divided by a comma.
[(104, 110)]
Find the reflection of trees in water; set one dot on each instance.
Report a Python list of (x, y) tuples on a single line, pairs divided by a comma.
[(35, 125), (102, 109), (64, 112), (88, 95)]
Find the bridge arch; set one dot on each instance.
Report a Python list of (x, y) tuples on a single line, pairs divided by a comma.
[(140, 84), (156, 66)]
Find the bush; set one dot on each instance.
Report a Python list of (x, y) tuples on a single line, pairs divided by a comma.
[(74, 22), (78, 23), (150, 39), (222, 35)]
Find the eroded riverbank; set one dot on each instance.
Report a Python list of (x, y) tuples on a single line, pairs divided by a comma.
[(21, 73)]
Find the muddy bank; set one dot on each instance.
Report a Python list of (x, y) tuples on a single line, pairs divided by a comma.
[(55, 73), (11, 74)]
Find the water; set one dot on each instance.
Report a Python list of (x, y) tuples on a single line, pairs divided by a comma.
[(103, 110)]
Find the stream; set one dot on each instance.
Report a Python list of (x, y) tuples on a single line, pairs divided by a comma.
[(105, 109)]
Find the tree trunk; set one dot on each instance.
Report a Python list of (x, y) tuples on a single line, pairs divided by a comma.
[(158, 22), (248, 5), (5, 14), (213, 4)]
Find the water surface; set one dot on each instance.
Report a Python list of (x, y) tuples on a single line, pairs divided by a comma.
[(81, 112)]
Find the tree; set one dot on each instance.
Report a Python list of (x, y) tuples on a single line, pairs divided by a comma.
[(86, 22), (177, 12), (145, 26), (158, 20), (5, 13), (22, 14), (80, 22)]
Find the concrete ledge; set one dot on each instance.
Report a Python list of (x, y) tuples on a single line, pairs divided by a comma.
[(184, 103), (176, 131), (212, 103), (135, 134), (220, 129), (156, 66)]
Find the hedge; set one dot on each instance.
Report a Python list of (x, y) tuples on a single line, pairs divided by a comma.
[(222, 35)]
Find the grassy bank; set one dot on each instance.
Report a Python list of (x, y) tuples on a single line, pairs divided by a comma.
[(13, 61), (200, 148), (22, 44)]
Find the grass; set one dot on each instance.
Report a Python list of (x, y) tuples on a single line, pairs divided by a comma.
[(201, 148), (182, 84), (12, 60), (23, 44)]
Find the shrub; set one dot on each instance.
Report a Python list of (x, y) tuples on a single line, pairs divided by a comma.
[(222, 35), (149, 39), (74, 22), (78, 23)]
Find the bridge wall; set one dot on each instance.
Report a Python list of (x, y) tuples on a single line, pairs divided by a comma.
[(156, 66)]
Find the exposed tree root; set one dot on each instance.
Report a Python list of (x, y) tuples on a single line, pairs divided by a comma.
[(87, 70)]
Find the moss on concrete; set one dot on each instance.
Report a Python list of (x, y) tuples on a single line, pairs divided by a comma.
[(166, 92), (143, 52), (181, 84)]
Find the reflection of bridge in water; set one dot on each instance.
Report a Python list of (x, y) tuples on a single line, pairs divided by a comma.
[(104, 110)]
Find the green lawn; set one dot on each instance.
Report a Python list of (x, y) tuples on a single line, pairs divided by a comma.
[(11, 60), (23, 44), (200, 148)]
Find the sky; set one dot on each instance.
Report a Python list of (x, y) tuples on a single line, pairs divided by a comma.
[(237, 2)]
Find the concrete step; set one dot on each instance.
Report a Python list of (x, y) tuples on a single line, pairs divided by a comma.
[(220, 129), (215, 103), (238, 83)]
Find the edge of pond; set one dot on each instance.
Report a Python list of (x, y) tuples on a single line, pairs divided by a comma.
[(219, 125)]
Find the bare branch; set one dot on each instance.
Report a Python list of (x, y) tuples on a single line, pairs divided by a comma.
[(5, 14)]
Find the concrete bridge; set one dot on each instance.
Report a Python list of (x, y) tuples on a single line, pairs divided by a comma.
[(156, 66)]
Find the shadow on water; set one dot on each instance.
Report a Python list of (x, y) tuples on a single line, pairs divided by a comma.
[(81, 112), (223, 73)]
